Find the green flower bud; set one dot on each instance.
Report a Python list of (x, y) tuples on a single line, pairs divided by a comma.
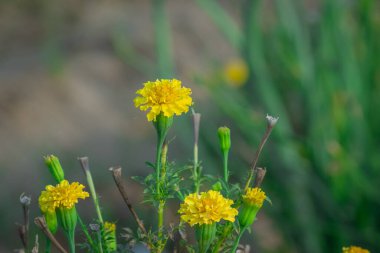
[(67, 218), (205, 235), (51, 221), (55, 167), (224, 135)]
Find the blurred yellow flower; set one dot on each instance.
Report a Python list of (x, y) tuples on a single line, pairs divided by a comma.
[(62, 195), (207, 208), (236, 72), (354, 249), (109, 226), (254, 196), (165, 96)]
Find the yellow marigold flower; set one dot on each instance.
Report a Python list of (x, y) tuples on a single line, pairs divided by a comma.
[(109, 226), (165, 96), (254, 196), (354, 249), (207, 208), (62, 195), (236, 72)]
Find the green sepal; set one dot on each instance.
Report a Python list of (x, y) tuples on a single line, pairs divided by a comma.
[(67, 219), (162, 125), (205, 235), (247, 215), (51, 221)]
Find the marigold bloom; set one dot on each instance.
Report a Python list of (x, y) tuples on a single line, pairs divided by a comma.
[(254, 196), (165, 96), (207, 208), (62, 195), (354, 249)]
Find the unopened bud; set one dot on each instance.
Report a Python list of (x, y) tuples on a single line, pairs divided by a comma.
[(55, 168), (224, 135)]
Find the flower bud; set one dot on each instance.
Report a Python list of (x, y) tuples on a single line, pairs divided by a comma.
[(110, 235), (51, 221), (55, 167), (205, 235), (224, 135), (252, 202)]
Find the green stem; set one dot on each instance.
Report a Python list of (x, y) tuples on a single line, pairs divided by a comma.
[(100, 242), (226, 231), (160, 142), (86, 233), (71, 239), (48, 245), (161, 207), (95, 198), (237, 240), (161, 170), (225, 166)]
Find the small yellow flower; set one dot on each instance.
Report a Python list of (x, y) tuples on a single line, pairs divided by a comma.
[(354, 249), (165, 96), (62, 195), (236, 72), (254, 196), (207, 208), (109, 226)]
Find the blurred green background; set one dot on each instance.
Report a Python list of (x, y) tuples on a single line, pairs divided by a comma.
[(69, 70)]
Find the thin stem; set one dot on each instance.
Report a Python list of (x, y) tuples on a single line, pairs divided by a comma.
[(71, 239), (48, 245), (41, 223), (237, 240), (85, 231), (161, 207), (226, 231), (196, 167), (160, 142), (225, 166), (196, 171), (100, 241), (116, 172), (257, 154), (85, 165)]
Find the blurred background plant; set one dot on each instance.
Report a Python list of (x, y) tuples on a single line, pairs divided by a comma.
[(68, 71)]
